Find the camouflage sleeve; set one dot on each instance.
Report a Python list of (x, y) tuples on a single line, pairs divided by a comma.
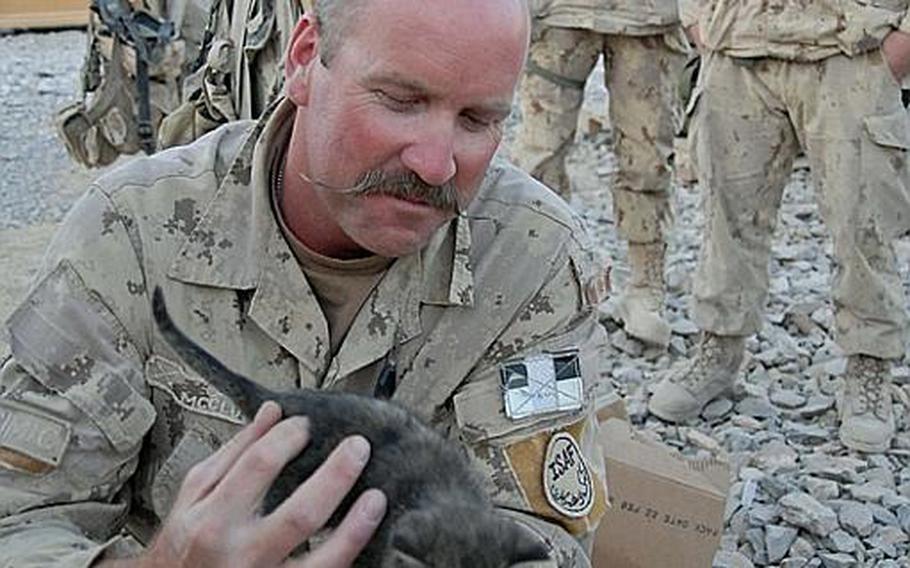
[(689, 12), (528, 416), (73, 411)]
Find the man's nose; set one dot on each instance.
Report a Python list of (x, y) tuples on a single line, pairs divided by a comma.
[(432, 154)]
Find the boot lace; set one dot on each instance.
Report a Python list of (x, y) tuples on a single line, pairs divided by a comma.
[(708, 356), (870, 388)]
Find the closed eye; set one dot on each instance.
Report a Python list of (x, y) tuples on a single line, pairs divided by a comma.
[(395, 102)]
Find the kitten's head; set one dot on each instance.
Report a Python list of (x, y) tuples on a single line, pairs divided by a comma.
[(460, 537)]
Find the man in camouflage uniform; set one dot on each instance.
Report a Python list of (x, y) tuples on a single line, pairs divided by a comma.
[(643, 54), (289, 279), (825, 77)]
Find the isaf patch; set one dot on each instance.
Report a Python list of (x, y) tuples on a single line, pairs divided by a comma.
[(540, 384), (556, 480), (567, 481), (30, 441)]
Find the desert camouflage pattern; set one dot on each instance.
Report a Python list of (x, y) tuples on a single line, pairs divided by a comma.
[(242, 71), (225, 62), (798, 31), (641, 76), (625, 17), (99, 422), (751, 118)]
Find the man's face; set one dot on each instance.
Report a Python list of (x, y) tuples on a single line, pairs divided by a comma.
[(419, 88)]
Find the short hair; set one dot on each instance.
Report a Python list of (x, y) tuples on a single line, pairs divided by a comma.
[(334, 19)]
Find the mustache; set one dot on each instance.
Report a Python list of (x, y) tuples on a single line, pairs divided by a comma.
[(403, 185)]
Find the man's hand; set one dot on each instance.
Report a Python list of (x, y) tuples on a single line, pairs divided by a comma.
[(896, 51), (215, 520)]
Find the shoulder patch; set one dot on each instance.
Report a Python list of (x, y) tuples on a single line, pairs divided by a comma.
[(31, 441), (542, 383), (556, 480), (567, 481)]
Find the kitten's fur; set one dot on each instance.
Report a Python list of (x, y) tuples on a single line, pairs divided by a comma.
[(438, 515)]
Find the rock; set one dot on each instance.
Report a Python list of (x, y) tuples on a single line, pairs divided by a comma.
[(756, 539), (776, 456), (778, 540), (788, 399), (821, 489), (837, 560), (746, 422), (717, 409), (810, 434), (841, 469), (678, 347), (701, 440), (763, 515), (728, 559), (683, 326), (816, 406), (802, 548), (626, 344), (856, 518), (903, 517), (880, 475), (870, 492), (841, 541), (755, 407), (629, 375), (886, 539), (804, 511), (883, 516)]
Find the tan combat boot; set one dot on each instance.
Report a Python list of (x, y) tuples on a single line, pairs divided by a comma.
[(681, 396), (866, 413), (641, 304)]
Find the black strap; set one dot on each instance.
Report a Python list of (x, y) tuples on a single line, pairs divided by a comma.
[(554, 77)]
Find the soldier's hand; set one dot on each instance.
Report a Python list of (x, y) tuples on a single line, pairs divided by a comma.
[(896, 50), (215, 520)]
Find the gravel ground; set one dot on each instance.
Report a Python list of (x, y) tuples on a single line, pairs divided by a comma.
[(800, 499), (40, 75)]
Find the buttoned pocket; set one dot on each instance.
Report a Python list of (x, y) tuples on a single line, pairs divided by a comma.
[(885, 170)]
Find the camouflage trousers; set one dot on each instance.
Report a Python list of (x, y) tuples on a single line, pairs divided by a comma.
[(641, 76), (751, 120)]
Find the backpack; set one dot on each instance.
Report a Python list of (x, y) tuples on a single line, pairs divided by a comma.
[(158, 73)]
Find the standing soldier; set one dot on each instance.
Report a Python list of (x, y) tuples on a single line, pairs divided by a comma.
[(823, 77), (643, 53), (158, 74)]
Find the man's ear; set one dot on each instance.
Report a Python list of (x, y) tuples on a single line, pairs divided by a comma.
[(303, 50)]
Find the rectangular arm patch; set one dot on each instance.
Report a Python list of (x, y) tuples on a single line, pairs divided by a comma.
[(30, 441)]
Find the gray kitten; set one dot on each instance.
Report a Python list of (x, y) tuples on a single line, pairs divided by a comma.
[(439, 514)]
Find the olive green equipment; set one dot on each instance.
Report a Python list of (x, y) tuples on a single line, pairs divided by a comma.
[(157, 74)]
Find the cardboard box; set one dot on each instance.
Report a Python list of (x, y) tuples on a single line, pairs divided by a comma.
[(43, 13), (665, 510), (608, 404)]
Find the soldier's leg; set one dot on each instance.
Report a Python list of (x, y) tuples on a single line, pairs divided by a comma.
[(551, 93), (641, 76), (745, 150), (857, 136)]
